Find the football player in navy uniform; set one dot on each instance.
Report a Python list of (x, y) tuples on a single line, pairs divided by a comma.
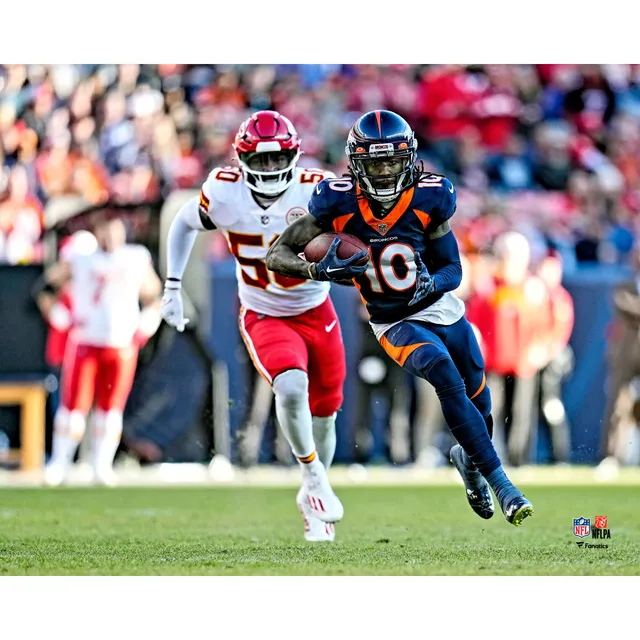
[(402, 213)]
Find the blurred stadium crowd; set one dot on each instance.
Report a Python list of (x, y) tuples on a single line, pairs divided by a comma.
[(550, 149), (551, 152)]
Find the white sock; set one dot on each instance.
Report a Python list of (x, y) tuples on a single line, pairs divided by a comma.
[(324, 436), (292, 408), (68, 429), (107, 433)]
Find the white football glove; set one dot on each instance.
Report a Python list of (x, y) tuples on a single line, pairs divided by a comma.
[(171, 306)]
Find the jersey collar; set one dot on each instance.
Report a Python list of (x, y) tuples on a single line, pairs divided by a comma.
[(383, 225)]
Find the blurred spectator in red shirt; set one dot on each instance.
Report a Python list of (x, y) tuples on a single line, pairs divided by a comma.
[(511, 316), (444, 109), (560, 357), (497, 107), (445, 101)]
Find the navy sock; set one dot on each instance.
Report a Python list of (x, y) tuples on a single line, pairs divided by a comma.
[(503, 487), (463, 418)]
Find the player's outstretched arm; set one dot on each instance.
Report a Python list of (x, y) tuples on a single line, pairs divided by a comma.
[(180, 240), (182, 236), (283, 255)]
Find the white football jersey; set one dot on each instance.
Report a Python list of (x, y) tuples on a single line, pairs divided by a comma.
[(250, 230), (105, 288)]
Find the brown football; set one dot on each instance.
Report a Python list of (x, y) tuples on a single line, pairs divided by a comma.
[(349, 246)]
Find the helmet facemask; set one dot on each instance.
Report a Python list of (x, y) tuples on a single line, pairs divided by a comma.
[(269, 172), (383, 176)]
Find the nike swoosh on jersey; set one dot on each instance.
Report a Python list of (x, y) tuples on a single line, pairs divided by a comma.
[(330, 326), (451, 188)]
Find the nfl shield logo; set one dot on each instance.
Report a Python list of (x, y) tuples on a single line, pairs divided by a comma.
[(264, 220), (382, 228), (581, 527)]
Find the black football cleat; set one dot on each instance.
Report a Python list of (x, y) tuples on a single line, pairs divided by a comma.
[(517, 510), (477, 488)]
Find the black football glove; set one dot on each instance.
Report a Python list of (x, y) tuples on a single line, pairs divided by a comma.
[(425, 283), (332, 268)]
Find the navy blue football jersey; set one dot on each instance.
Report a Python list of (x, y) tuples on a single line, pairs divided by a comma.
[(389, 283)]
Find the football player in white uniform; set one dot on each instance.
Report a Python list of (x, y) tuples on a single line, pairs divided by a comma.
[(108, 327), (288, 325)]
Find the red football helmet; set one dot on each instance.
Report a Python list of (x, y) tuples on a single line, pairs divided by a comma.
[(268, 149)]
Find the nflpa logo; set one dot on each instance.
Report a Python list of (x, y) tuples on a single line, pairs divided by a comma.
[(600, 529)]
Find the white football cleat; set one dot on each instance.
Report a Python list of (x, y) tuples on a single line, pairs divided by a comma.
[(322, 502), (105, 477), (54, 475), (314, 529)]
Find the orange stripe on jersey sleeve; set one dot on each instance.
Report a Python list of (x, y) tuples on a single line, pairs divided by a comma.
[(423, 216), (340, 222)]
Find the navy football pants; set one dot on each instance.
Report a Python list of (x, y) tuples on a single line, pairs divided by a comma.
[(449, 358)]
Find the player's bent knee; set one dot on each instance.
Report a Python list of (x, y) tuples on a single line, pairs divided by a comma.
[(483, 402), (292, 386), (327, 403), (282, 361), (445, 378)]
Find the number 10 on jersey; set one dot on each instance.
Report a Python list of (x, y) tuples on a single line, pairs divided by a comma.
[(389, 270)]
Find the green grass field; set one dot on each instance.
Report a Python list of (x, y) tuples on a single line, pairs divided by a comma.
[(413, 530)]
